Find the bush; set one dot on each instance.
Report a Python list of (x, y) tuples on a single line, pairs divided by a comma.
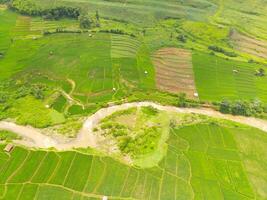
[(182, 38), (223, 51), (150, 111)]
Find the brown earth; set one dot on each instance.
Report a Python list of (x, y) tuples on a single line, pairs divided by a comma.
[(174, 71), (249, 45)]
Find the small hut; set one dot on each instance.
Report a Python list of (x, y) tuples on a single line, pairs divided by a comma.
[(8, 148), (105, 198)]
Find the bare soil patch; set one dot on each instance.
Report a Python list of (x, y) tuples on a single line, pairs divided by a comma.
[(174, 71), (249, 45)]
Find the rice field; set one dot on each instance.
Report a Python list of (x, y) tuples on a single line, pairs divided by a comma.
[(202, 161), (124, 46), (8, 22), (117, 62), (217, 78)]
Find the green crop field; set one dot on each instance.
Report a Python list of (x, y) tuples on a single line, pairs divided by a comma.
[(61, 61), (218, 78), (204, 161)]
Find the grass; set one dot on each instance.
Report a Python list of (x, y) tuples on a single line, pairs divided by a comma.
[(29, 111), (204, 160), (59, 103), (8, 136)]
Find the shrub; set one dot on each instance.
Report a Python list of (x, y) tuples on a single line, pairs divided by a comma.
[(150, 111), (223, 51)]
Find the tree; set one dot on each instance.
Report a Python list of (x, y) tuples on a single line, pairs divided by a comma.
[(241, 108), (182, 38), (97, 15), (86, 21), (225, 107), (182, 100)]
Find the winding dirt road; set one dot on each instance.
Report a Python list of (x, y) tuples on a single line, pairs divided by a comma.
[(33, 137)]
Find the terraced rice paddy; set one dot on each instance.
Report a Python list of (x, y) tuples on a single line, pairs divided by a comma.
[(124, 46), (174, 71), (218, 78), (22, 27), (227, 171), (8, 19)]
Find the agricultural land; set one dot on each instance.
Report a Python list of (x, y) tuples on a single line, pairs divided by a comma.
[(133, 100)]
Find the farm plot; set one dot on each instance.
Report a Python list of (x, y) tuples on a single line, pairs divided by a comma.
[(218, 79), (22, 27), (131, 64), (174, 71), (249, 45), (205, 161), (123, 46), (216, 162), (40, 25), (7, 21)]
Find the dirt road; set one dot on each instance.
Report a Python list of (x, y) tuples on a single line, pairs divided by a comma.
[(33, 137)]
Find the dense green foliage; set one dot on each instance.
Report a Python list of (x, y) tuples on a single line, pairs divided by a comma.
[(30, 8), (255, 108)]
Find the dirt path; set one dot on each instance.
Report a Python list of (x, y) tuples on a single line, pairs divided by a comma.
[(86, 138)]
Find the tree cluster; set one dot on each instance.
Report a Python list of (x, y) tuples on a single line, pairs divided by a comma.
[(243, 108), (4, 1), (28, 7), (61, 12)]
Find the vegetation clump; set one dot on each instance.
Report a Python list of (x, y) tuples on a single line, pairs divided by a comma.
[(134, 139), (8, 136), (260, 72), (223, 51), (29, 7), (86, 22), (244, 108)]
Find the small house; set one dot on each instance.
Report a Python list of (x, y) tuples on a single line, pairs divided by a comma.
[(105, 198), (8, 148)]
